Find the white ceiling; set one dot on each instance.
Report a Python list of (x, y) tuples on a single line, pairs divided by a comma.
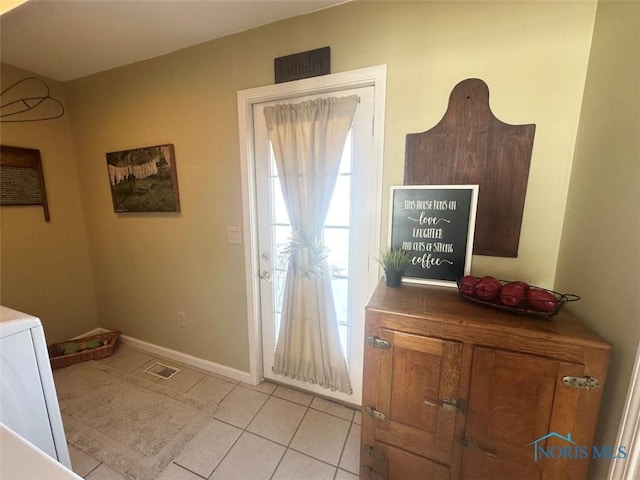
[(64, 40)]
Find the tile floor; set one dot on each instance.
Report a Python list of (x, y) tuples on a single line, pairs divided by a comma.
[(261, 432)]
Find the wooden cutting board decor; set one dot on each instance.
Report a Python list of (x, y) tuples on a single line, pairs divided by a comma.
[(471, 146)]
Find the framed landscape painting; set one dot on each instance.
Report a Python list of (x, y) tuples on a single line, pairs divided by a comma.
[(144, 179)]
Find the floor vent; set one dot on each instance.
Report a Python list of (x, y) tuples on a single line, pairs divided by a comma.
[(162, 371)]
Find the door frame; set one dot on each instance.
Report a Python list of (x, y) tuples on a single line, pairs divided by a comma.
[(629, 433), (375, 76)]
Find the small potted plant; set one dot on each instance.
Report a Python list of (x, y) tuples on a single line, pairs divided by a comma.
[(394, 262)]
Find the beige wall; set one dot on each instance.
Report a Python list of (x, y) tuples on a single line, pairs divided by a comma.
[(44, 266), (532, 55), (600, 249)]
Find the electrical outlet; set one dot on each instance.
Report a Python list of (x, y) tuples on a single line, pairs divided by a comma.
[(182, 320)]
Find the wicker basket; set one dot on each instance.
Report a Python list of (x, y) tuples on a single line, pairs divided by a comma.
[(60, 360)]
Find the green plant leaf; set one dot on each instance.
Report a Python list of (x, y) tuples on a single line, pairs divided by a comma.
[(394, 260)]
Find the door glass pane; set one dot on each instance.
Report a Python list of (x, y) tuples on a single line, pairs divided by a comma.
[(280, 215), (338, 214), (281, 238), (340, 287), (345, 162), (337, 241)]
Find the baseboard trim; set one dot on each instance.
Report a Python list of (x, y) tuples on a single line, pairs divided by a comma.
[(185, 358)]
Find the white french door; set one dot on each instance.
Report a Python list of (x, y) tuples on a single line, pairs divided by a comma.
[(352, 228), (346, 234)]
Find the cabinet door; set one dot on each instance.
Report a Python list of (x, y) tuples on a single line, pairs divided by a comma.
[(417, 391), (515, 399)]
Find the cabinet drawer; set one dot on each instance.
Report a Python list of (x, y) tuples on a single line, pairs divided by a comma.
[(385, 462)]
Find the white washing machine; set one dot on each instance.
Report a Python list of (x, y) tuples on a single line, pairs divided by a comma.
[(28, 401)]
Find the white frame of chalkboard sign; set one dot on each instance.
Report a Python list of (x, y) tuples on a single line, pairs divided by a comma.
[(433, 230)]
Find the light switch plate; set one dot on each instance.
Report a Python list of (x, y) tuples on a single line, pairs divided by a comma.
[(234, 235)]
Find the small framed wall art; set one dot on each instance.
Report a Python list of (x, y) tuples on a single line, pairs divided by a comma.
[(144, 179), (434, 225)]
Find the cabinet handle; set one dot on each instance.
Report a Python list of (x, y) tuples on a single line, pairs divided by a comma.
[(469, 442), (375, 413), (373, 474), (585, 383), (380, 343), (451, 405)]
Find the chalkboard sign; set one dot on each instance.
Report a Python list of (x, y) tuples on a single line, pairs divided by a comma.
[(434, 224)]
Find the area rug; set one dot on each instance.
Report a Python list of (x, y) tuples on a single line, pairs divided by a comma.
[(135, 426)]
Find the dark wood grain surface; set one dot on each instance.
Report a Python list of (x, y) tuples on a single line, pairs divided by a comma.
[(471, 146)]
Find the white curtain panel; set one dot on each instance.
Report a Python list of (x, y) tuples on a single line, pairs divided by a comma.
[(308, 139)]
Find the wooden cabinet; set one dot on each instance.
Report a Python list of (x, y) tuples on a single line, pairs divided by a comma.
[(456, 390)]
